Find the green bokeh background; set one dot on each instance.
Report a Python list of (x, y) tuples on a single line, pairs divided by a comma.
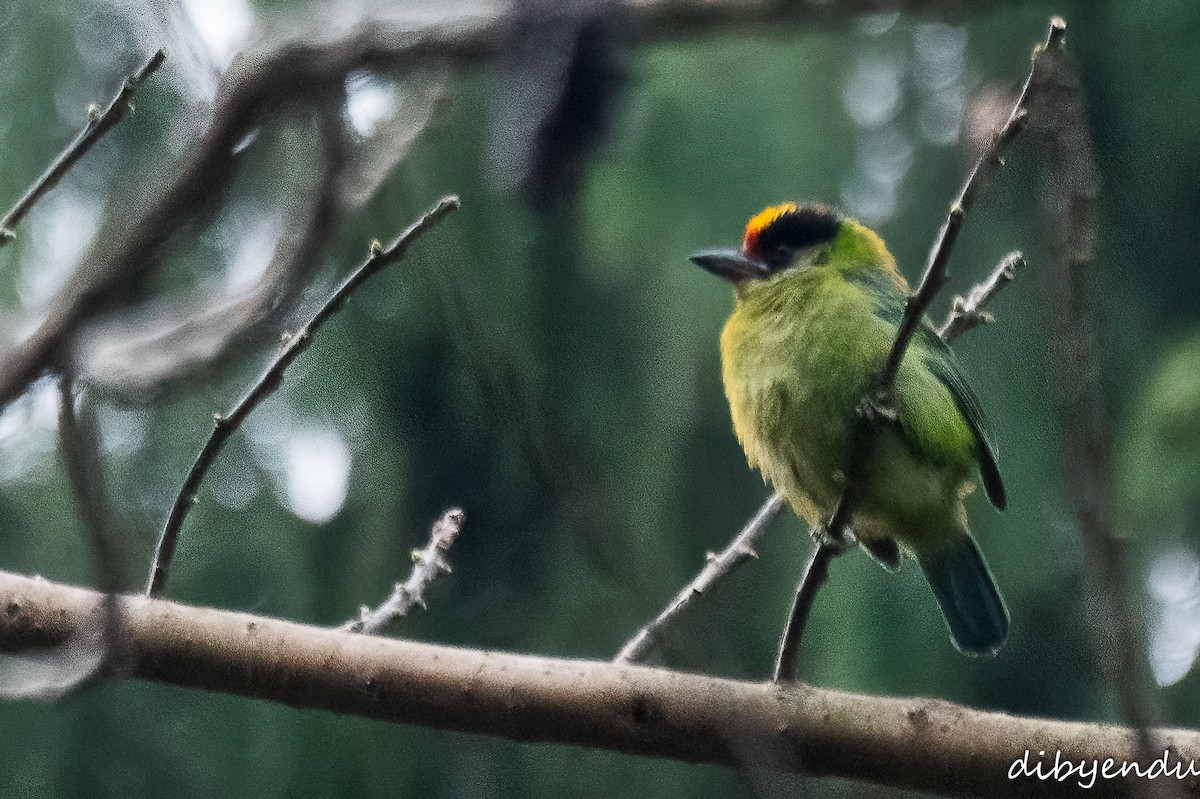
[(557, 376)]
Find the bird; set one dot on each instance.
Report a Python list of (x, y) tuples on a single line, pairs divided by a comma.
[(818, 302)]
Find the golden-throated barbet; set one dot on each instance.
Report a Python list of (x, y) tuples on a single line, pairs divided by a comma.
[(818, 303)]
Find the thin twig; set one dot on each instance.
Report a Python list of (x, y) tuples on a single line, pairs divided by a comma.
[(967, 313), (428, 564), (226, 424), (878, 404), (98, 124), (741, 549)]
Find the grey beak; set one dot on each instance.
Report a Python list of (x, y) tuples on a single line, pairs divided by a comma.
[(731, 265)]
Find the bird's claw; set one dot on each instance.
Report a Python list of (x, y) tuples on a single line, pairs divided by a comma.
[(826, 539), (878, 409)]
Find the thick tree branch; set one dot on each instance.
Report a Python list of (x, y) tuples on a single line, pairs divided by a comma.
[(920, 744), (878, 404), (225, 425), (99, 123)]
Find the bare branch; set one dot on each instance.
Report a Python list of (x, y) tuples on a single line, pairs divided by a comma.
[(741, 549), (98, 124), (225, 425), (878, 405), (428, 564), (968, 313), (919, 744)]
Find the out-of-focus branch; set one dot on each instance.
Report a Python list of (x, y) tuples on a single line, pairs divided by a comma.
[(116, 268), (99, 123), (130, 361), (81, 454), (919, 744), (967, 313), (54, 670), (428, 564), (307, 71), (878, 405), (1072, 190), (226, 424)]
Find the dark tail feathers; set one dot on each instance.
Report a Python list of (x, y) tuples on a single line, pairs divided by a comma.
[(971, 603)]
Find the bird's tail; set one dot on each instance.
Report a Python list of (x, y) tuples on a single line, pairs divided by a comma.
[(967, 593)]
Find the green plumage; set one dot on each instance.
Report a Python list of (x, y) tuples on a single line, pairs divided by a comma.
[(805, 343)]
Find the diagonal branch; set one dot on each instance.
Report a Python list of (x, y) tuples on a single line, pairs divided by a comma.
[(225, 425), (98, 124), (428, 564), (741, 549), (878, 404)]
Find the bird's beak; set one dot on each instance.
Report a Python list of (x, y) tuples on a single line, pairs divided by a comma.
[(732, 265)]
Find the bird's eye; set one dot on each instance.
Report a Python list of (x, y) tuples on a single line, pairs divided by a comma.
[(781, 254)]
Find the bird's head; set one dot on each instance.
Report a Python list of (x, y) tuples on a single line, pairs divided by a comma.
[(778, 238)]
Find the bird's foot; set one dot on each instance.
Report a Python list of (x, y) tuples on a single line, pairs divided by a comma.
[(877, 408), (826, 538)]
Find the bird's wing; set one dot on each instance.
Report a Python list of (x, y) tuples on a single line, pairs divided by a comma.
[(940, 360)]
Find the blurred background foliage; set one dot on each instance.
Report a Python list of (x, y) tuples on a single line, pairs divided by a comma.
[(547, 359)]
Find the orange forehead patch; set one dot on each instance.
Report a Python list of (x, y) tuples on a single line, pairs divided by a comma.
[(761, 221)]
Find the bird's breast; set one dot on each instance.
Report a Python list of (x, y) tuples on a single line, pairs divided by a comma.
[(795, 363)]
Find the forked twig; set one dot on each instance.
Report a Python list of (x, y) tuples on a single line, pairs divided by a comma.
[(225, 425), (967, 312)]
